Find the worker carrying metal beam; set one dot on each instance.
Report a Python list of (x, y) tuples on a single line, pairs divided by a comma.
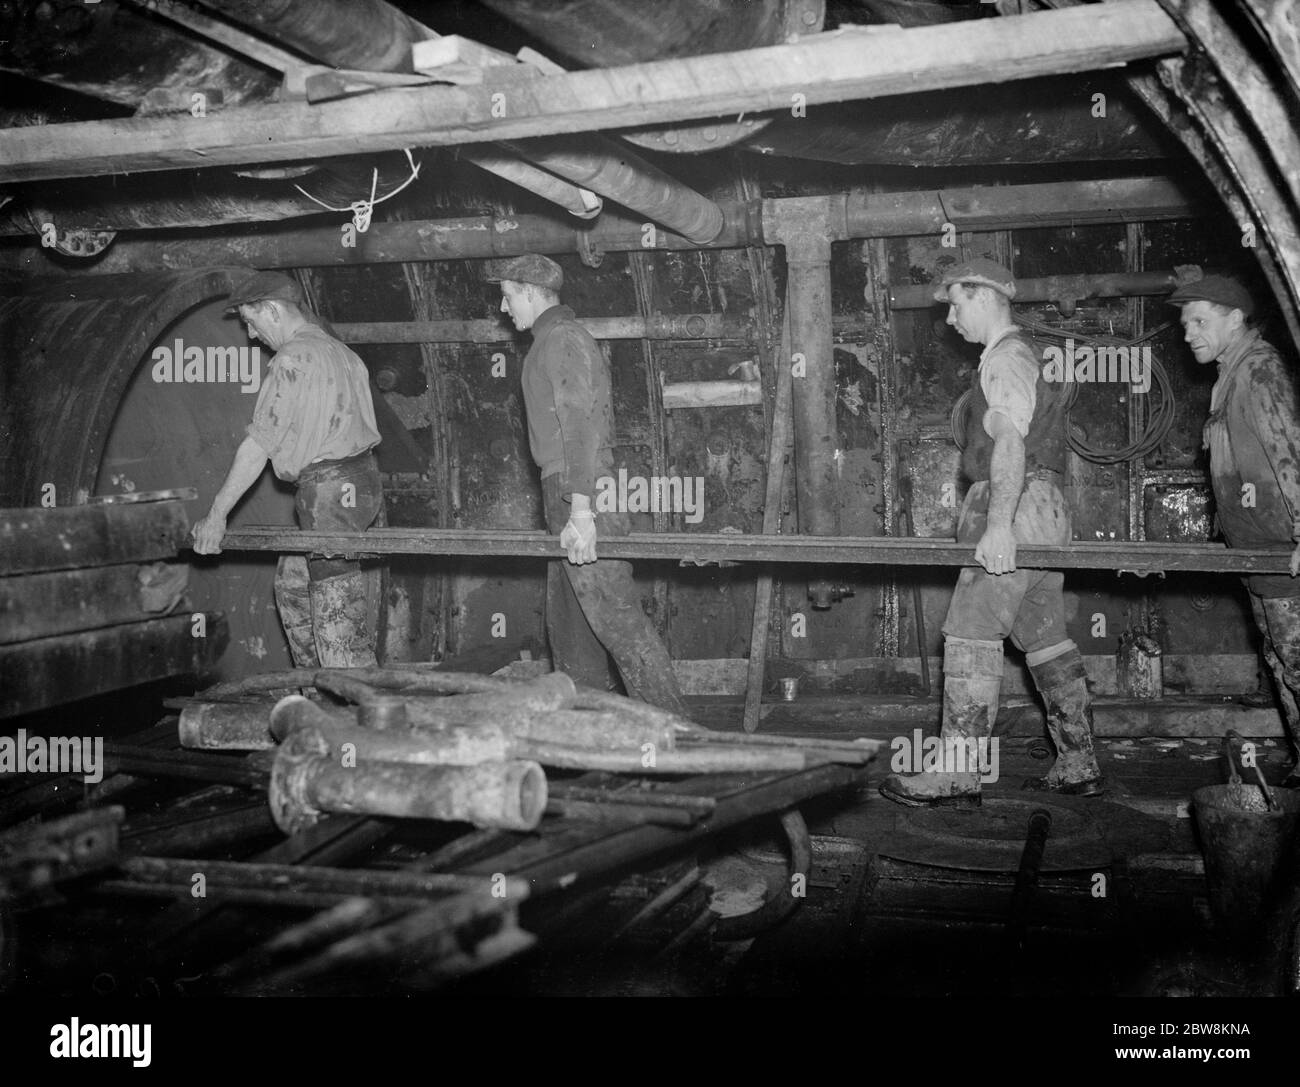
[(1015, 456), (315, 421), (1253, 436), (593, 609)]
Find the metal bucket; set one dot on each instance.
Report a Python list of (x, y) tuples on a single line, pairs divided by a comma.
[(1244, 853)]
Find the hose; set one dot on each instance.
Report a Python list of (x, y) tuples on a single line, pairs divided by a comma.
[(1160, 416)]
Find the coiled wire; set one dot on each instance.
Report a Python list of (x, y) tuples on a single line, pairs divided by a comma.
[(1160, 408)]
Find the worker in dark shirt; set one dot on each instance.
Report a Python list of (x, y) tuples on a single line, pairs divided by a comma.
[(1253, 437), (315, 422), (593, 609)]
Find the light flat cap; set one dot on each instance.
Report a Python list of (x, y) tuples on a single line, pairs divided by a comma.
[(263, 287), (981, 270), (529, 268)]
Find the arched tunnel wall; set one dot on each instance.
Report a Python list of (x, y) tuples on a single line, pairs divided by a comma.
[(82, 410), (169, 434)]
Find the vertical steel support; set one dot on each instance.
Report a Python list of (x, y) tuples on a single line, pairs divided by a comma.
[(806, 227), (876, 253), (643, 284)]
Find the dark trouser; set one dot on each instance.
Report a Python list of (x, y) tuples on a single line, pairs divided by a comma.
[(594, 612), (323, 599), (1278, 619)]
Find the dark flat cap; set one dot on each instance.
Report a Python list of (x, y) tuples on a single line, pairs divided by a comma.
[(1224, 290), (981, 270), (263, 287), (530, 268)]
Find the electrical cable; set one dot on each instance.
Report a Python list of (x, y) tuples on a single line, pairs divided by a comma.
[(1159, 397)]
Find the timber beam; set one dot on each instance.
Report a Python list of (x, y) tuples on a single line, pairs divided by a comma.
[(705, 547), (851, 64), (859, 215)]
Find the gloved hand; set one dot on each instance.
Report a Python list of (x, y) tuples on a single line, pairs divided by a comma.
[(579, 537)]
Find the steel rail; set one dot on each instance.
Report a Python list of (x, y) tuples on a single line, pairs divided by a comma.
[(705, 548)]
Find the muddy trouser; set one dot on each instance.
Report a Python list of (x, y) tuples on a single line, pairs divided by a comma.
[(593, 612), (322, 599), (1278, 619), (1028, 606)]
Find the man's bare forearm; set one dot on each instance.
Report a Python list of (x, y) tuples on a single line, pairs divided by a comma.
[(1007, 474), (250, 459)]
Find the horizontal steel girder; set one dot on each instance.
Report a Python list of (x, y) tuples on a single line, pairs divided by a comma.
[(706, 547)]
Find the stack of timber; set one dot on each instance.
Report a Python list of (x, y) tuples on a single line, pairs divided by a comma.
[(88, 604)]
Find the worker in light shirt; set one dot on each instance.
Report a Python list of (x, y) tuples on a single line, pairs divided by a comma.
[(1015, 457), (315, 422)]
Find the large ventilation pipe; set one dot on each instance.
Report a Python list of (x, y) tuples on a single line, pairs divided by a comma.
[(369, 35), (602, 166), (112, 53), (330, 31)]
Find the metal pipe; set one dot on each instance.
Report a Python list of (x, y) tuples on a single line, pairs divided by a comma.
[(364, 34), (805, 227), (1066, 290), (577, 201), (309, 780), (612, 170), (864, 215), (658, 326)]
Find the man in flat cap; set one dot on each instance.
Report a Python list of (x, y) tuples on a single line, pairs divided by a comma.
[(315, 421), (1015, 457), (1253, 435), (593, 609)]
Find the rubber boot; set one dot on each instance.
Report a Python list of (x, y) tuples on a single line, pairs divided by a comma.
[(972, 682), (293, 602), (339, 610), (1063, 683)]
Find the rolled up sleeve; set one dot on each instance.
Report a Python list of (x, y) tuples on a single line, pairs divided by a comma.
[(1009, 380)]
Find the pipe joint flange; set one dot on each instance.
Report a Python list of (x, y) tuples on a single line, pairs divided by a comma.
[(297, 762), (587, 251), (83, 242)]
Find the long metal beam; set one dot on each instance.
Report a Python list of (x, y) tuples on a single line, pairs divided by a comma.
[(697, 547), (860, 215), (850, 64)]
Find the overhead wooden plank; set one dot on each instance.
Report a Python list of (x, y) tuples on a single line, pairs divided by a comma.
[(65, 537), (845, 65)]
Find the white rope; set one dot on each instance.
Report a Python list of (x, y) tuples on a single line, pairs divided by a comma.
[(363, 210)]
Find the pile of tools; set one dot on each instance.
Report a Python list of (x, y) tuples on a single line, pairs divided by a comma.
[(418, 743)]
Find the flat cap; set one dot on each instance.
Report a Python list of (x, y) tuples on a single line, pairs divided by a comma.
[(1224, 290), (263, 287), (981, 270), (529, 268)]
